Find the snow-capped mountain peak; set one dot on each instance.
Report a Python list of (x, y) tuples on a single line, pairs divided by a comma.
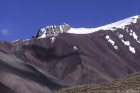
[(65, 28), (112, 52)]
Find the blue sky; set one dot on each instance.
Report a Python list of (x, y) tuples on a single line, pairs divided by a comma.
[(20, 19)]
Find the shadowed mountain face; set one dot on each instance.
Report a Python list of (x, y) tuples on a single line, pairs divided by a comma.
[(5, 89), (24, 78), (78, 59)]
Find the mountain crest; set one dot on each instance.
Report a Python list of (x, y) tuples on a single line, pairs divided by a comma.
[(52, 30), (65, 28)]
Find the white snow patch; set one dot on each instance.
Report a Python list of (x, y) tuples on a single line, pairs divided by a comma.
[(115, 47), (43, 36), (107, 37), (120, 36), (132, 49), (52, 39), (43, 31), (75, 48), (127, 43), (61, 29), (135, 18), (134, 36), (111, 42), (138, 41)]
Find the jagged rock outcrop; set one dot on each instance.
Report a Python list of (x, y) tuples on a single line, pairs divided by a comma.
[(52, 30)]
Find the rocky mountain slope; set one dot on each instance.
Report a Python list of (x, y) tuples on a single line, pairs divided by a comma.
[(81, 58), (76, 56), (16, 75)]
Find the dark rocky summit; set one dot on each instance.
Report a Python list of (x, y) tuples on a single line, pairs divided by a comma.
[(52, 30)]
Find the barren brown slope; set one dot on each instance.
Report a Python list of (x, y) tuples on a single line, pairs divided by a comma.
[(129, 84)]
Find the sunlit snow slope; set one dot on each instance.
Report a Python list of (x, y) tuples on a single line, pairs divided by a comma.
[(65, 28), (113, 26)]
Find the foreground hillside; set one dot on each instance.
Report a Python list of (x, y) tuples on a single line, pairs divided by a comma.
[(18, 77), (129, 84)]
